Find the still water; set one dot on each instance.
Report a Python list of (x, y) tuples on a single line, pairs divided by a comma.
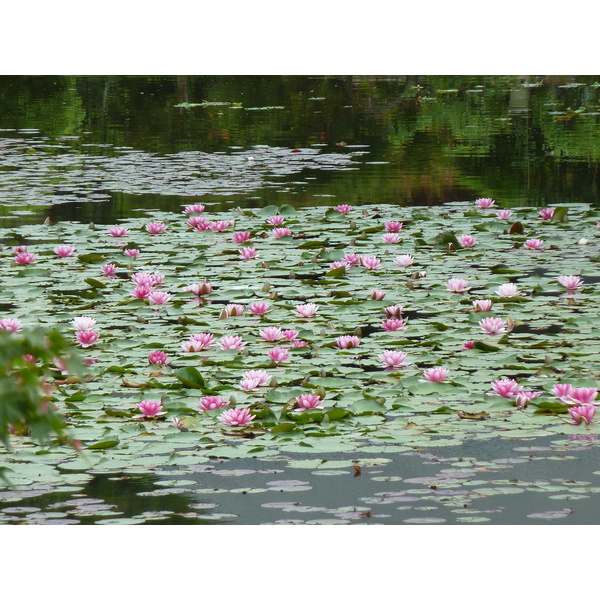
[(495, 482), (97, 148)]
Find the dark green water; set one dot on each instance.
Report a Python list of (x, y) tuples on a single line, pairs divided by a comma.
[(102, 146)]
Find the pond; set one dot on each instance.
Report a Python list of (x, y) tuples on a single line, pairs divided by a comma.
[(388, 278)]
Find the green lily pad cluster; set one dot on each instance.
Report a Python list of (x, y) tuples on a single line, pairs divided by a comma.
[(549, 335)]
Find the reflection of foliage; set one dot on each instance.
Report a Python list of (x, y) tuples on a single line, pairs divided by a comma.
[(51, 104), (481, 135), (26, 388)]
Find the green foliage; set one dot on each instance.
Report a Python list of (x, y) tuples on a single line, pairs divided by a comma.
[(26, 388)]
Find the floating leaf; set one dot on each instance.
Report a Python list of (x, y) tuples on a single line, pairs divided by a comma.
[(190, 377)]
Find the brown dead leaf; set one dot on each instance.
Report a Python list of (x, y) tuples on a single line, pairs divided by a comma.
[(130, 384), (480, 416)]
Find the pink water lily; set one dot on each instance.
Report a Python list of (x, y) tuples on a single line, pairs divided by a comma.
[(377, 294), (212, 402), (580, 395), (457, 285), (390, 238), (370, 262), (206, 339), (141, 279), (343, 208), (155, 228), (240, 237), (507, 290), (198, 222), (200, 289), (158, 358), (131, 252), (87, 338), (141, 292), (192, 346), (436, 374), (289, 334), (533, 244), (259, 308), (347, 341), (11, 325), (270, 334), (236, 417), (308, 402), (393, 226), (234, 310), (582, 413), (404, 260), (61, 364), (307, 310), (546, 213), (467, 241), (299, 344), (158, 297), (220, 226), (83, 323), (109, 270), (118, 231), (232, 342), (25, 258), (151, 279), (279, 354), (193, 208), (19, 249), (338, 264), (151, 408), (504, 213), (393, 324), (562, 390), (249, 384), (248, 252), (522, 398), (260, 375), (493, 325), (393, 359), (275, 220), (64, 251), (393, 312), (485, 202), (352, 259), (506, 388), (571, 282), (280, 232), (482, 305)]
